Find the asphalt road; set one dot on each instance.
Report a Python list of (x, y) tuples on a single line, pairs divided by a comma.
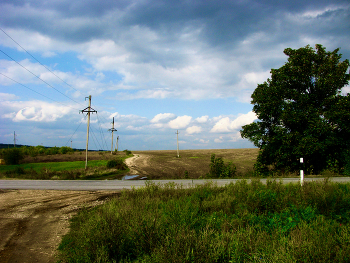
[(95, 185)]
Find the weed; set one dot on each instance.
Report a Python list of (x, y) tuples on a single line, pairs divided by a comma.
[(208, 223)]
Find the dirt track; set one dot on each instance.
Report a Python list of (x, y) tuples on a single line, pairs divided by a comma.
[(32, 222), (137, 163)]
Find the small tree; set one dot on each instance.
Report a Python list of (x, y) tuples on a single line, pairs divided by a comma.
[(218, 169), (12, 156), (302, 113)]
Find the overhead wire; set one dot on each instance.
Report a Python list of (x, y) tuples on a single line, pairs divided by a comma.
[(36, 91), (37, 59), (75, 131), (93, 135), (38, 77), (101, 132), (103, 139)]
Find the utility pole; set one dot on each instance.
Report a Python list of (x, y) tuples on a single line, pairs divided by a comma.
[(117, 142), (71, 144), (177, 139), (88, 110), (14, 139), (112, 130)]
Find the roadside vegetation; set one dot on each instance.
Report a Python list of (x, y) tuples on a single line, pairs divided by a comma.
[(237, 223), (61, 163), (192, 164)]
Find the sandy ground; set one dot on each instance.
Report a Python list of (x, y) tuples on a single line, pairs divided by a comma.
[(32, 222), (137, 163)]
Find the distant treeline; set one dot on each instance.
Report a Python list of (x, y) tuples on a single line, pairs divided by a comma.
[(7, 146)]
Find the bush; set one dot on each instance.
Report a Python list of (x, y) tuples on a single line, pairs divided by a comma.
[(116, 163), (218, 169), (65, 149), (12, 156), (127, 152)]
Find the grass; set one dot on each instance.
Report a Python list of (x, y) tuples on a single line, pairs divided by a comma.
[(237, 223), (54, 166), (63, 169), (165, 164)]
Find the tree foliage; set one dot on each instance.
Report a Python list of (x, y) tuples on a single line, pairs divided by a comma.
[(12, 156), (302, 113), (218, 168)]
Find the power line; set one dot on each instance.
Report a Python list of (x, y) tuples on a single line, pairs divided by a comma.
[(93, 135), (104, 143), (36, 91), (39, 77), (36, 59), (74, 131)]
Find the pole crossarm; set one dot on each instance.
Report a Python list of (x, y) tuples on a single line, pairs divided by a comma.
[(88, 110)]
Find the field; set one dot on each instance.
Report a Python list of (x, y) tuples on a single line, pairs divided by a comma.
[(165, 164), (153, 164), (237, 223), (65, 166)]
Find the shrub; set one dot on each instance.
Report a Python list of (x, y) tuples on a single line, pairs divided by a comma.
[(127, 152), (65, 149), (218, 169), (116, 163), (12, 156)]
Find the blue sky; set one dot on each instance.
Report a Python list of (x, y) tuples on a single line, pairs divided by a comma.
[(155, 66)]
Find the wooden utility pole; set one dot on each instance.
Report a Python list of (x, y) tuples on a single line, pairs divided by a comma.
[(117, 142), (177, 139), (88, 110), (14, 139), (112, 130)]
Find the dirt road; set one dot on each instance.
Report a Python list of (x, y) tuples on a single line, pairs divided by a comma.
[(32, 222), (137, 163)]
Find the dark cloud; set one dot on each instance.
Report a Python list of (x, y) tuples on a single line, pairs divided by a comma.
[(221, 23)]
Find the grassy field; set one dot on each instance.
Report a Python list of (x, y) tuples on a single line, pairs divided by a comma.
[(237, 223), (165, 164), (192, 164), (160, 164), (65, 166)]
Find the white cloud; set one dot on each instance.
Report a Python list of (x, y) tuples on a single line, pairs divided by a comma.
[(180, 122), (226, 125), (202, 119), (193, 129), (219, 140), (8, 96), (36, 111), (243, 120), (163, 117), (222, 125)]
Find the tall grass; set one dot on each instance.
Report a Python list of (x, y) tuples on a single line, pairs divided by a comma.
[(237, 223), (97, 169)]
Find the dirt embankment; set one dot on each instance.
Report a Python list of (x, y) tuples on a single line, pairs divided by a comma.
[(138, 163), (32, 222)]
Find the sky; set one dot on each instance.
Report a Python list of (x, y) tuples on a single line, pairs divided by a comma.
[(157, 67)]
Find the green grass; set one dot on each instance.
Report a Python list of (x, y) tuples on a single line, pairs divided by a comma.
[(237, 223), (97, 169), (54, 166)]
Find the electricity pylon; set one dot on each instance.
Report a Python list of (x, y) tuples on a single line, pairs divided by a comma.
[(112, 130), (88, 110)]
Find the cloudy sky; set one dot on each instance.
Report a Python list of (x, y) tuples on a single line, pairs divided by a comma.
[(155, 66)]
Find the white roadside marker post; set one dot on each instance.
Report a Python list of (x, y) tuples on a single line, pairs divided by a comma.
[(301, 172)]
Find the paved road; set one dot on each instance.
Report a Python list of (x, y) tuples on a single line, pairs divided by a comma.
[(93, 185)]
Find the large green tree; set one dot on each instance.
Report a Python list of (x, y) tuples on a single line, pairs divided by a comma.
[(302, 113)]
